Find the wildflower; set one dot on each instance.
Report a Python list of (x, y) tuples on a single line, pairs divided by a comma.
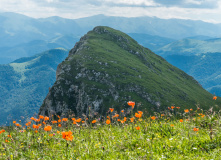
[(28, 123), (14, 121), (35, 126), (9, 136), (6, 141), (39, 125), (108, 121), (59, 121), (58, 132), (46, 118), (17, 124), (51, 135), (162, 115), (116, 115), (41, 117), (172, 107), (94, 121), (195, 129), (67, 135), (59, 125), (78, 120), (36, 131), (153, 117), (186, 110), (122, 111), (125, 118), (53, 122), (191, 109), (122, 122), (132, 104), (202, 115), (138, 115), (111, 109), (169, 108), (181, 120), (132, 119), (32, 118), (118, 120), (137, 128), (47, 128), (73, 119), (214, 97), (177, 107), (65, 119), (82, 121), (140, 112), (43, 122), (172, 125)]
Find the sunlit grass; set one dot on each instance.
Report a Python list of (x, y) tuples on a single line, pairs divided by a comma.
[(175, 133)]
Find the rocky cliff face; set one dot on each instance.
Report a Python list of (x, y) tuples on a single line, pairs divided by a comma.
[(107, 68)]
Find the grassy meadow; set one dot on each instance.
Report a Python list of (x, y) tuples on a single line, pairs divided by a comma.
[(175, 133)]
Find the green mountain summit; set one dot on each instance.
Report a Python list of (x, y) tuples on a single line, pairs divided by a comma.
[(107, 68)]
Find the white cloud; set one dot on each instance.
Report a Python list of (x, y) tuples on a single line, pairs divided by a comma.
[(183, 9)]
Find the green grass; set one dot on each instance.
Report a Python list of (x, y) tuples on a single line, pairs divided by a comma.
[(163, 138)]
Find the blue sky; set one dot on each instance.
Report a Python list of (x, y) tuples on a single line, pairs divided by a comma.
[(206, 10)]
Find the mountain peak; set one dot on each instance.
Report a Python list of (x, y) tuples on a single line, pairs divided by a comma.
[(107, 68)]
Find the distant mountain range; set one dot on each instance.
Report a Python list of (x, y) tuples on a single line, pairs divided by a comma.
[(198, 58), (18, 33), (25, 82)]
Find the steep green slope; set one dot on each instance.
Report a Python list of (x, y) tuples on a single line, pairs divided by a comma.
[(107, 68), (25, 82)]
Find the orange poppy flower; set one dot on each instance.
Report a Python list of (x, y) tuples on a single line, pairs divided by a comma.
[(43, 122), (125, 118), (47, 128), (82, 121), (118, 120), (137, 128), (122, 111), (35, 126), (186, 110), (6, 141), (172, 107), (140, 112), (39, 125), (74, 122), (59, 121), (78, 120), (59, 125), (178, 107), (132, 119), (108, 117), (28, 123), (58, 132), (46, 118), (32, 118), (36, 131), (67, 135), (116, 115), (132, 104), (73, 119), (37, 120), (111, 109), (214, 97), (172, 125), (94, 121), (86, 118), (65, 119), (122, 122), (138, 115), (195, 129), (53, 122), (181, 120), (41, 117), (9, 136), (51, 135), (17, 124), (153, 117), (108, 121), (162, 115), (191, 109), (14, 121)]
